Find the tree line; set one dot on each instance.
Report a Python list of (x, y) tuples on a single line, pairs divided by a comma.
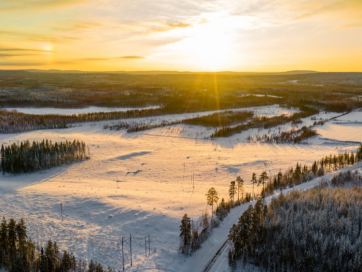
[(294, 136), (264, 122), (29, 157), (18, 253), (300, 174), (315, 230)]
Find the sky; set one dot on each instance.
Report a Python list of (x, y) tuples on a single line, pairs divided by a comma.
[(187, 35)]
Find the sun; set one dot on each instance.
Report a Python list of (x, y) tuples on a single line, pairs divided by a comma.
[(210, 45), (47, 47)]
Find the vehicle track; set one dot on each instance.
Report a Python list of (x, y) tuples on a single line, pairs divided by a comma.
[(216, 256)]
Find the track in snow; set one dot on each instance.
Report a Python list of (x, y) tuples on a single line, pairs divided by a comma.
[(213, 260)]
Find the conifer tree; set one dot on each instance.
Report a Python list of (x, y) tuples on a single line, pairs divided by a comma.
[(263, 177), (253, 181), (240, 184), (185, 233), (232, 191), (211, 198)]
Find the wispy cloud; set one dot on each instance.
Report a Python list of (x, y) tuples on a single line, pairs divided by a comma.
[(114, 58), (132, 57), (38, 37), (35, 4), (12, 63), (24, 50), (16, 55)]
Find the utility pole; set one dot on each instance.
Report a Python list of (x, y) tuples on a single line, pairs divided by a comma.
[(122, 253), (149, 245), (145, 247), (193, 181), (130, 246), (61, 210)]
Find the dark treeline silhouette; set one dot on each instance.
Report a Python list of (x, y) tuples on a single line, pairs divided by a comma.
[(28, 157), (212, 120), (20, 254), (294, 136), (221, 119), (13, 122), (315, 230), (300, 174), (264, 122)]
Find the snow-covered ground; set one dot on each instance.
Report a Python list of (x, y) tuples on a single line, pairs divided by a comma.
[(140, 184)]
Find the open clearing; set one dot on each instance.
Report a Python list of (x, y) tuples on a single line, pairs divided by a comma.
[(140, 184)]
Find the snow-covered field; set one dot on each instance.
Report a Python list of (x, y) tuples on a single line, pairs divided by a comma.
[(140, 184)]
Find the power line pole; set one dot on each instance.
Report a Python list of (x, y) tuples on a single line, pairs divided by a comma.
[(130, 246), (145, 246), (149, 246), (61, 210), (122, 253)]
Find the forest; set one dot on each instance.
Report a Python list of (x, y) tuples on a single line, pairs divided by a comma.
[(300, 174), (315, 230), (29, 157), (18, 253), (173, 93)]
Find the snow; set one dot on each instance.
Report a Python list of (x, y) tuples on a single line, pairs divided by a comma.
[(347, 128), (140, 184)]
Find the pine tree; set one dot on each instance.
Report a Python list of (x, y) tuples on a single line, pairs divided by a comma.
[(263, 177), (240, 184), (2, 157), (185, 233), (253, 181), (232, 191), (4, 243), (211, 198)]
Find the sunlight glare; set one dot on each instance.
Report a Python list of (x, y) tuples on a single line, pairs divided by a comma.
[(210, 44)]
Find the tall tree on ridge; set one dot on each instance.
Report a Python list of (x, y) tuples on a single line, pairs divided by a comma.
[(240, 184), (211, 198)]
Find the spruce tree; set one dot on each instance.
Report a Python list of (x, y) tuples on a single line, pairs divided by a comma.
[(185, 234), (232, 191), (253, 181), (240, 184)]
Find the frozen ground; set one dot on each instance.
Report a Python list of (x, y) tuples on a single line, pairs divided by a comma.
[(140, 184)]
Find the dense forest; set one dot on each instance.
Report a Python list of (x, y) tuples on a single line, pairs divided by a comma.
[(20, 254), (294, 136), (173, 93), (29, 157), (294, 176), (315, 230)]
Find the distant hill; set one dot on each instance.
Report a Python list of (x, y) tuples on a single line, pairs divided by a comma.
[(294, 72)]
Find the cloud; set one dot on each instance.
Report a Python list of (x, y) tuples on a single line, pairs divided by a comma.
[(152, 27), (21, 63), (132, 57), (95, 59), (36, 4), (24, 50), (114, 58), (78, 26), (38, 37), (16, 55), (348, 9)]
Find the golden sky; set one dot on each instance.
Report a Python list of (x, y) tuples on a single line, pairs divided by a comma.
[(187, 35)]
